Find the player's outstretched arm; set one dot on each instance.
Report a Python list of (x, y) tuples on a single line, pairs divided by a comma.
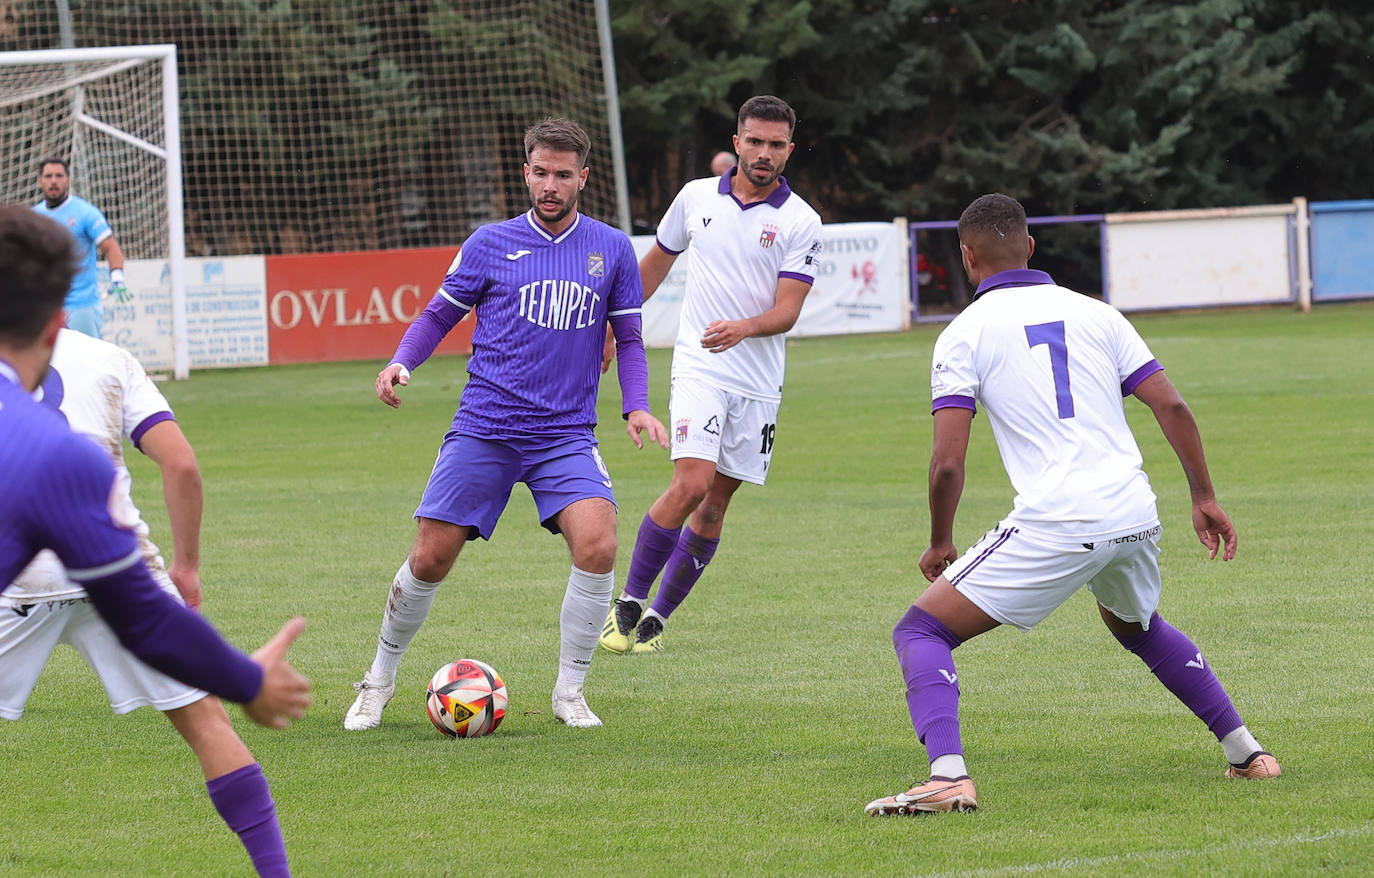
[(638, 421), (721, 335), (285, 694), (110, 252), (1213, 526), (419, 341), (946, 480), (394, 374), (653, 268), (608, 350), (182, 491)]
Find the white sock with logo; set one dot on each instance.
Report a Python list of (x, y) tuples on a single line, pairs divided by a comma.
[(585, 604), (407, 605), (1238, 745), (951, 765)]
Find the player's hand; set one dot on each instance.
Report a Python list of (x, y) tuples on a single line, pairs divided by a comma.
[(285, 694), (1214, 529), (120, 292), (721, 335), (187, 581), (935, 559), (608, 351), (638, 421), (387, 379)]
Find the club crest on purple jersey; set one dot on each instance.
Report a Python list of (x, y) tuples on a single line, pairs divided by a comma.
[(596, 265)]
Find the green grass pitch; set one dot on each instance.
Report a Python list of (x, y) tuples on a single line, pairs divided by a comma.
[(750, 746)]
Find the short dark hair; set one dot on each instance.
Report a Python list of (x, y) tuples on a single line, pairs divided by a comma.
[(559, 135), (994, 216), (37, 261), (54, 160), (768, 108)]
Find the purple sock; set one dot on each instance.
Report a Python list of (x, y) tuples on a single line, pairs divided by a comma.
[(685, 566), (925, 652), (243, 799), (652, 548), (1179, 665)]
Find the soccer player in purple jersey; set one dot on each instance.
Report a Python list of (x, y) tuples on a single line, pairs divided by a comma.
[(547, 282), (1050, 368), (105, 395), (59, 493)]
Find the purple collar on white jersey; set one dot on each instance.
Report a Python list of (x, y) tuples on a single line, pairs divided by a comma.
[(776, 198), (8, 372), (1016, 277)]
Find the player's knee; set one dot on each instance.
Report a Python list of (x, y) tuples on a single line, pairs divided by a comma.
[(687, 492), (202, 721), (710, 513), (430, 565), (597, 554)]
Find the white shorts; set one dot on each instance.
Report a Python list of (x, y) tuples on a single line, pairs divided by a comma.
[(1019, 580), (735, 432), (30, 632)]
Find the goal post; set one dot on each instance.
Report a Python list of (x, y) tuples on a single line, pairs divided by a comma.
[(113, 113)]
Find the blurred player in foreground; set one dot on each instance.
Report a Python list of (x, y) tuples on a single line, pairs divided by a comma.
[(61, 493), (104, 394), (92, 232), (1050, 367), (546, 283), (752, 246)]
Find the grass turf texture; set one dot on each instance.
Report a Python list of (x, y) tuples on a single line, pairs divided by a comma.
[(777, 712)]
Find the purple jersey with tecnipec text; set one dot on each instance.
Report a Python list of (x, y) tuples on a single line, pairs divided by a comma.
[(542, 303)]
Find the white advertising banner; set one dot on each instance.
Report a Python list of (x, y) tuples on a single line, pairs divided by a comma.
[(863, 286), (864, 282), (226, 312), (1199, 258)]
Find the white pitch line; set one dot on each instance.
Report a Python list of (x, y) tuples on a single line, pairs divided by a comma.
[(1155, 856)]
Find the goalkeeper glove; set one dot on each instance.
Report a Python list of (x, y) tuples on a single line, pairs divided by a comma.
[(117, 288)]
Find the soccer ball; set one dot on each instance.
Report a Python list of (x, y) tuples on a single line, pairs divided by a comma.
[(466, 699)]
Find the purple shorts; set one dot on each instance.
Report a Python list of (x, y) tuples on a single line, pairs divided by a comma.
[(472, 478)]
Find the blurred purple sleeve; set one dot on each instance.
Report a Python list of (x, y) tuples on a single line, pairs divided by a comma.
[(632, 366), (171, 638), (74, 520), (424, 335)]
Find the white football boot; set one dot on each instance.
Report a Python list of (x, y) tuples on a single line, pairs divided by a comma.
[(366, 712), (570, 708)]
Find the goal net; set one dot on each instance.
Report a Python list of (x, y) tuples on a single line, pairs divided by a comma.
[(322, 126), (111, 113)]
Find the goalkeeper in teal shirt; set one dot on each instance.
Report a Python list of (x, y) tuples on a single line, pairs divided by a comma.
[(93, 235)]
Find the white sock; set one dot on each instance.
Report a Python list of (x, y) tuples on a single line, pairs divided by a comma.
[(1238, 745), (585, 604), (951, 765), (655, 614), (407, 605), (643, 602)]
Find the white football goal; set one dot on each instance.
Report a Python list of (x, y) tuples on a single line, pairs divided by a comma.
[(112, 114)]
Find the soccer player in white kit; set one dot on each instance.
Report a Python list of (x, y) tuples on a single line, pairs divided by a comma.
[(1050, 368), (752, 248), (104, 393)]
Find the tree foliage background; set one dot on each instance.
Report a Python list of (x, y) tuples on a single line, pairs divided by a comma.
[(912, 108), (907, 107)]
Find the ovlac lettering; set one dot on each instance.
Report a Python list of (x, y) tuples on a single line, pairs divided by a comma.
[(288, 307), (559, 304)]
